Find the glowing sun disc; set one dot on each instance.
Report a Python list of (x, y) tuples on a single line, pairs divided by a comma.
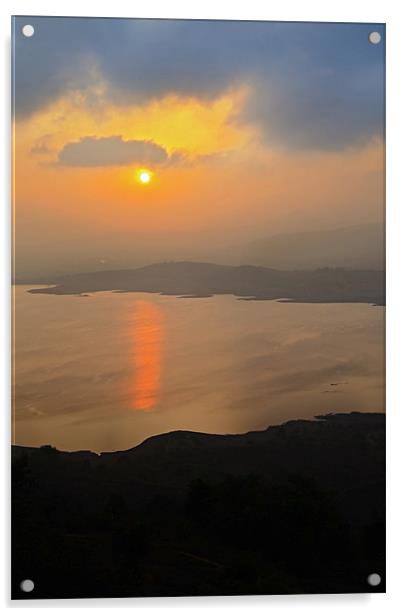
[(144, 176)]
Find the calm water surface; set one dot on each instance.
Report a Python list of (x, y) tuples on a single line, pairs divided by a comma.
[(106, 371)]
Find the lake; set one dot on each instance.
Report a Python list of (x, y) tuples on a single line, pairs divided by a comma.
[(105, 371)]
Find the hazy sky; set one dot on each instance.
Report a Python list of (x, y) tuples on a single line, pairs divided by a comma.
[(246, 129)]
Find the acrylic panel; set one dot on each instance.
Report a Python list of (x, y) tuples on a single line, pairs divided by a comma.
[(198, 349)]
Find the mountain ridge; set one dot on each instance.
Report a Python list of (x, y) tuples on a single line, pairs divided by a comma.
[(327, 417), (360, 246), (296, 508)]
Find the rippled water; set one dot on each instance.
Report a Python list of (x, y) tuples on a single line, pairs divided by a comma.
[(106, 371)]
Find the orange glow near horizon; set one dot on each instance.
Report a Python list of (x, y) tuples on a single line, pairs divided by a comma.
[(147, 335), (197, 136), (218, 174)]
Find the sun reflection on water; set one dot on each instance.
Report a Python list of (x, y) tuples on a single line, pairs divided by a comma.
[(147, 335)]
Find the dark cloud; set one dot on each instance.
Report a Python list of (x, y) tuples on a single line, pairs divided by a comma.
[(42, 147), (313, 85), (40, 150), (110, 151), (326, 111)]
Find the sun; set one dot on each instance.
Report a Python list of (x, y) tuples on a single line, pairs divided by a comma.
[(144, 176)]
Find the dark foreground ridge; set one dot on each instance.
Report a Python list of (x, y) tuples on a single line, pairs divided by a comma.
[(246, 281), (297, 508)]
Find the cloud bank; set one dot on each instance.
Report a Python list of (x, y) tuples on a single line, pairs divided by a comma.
[(110, 151), (314, 85)]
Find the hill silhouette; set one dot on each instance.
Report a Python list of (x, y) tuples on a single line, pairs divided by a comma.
[(193, 279), (296, 508)]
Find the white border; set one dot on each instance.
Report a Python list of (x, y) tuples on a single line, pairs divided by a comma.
[(288, 10)]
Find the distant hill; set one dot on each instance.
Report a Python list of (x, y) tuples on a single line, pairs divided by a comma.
[(356, 247), (193, 279), (297, 508)]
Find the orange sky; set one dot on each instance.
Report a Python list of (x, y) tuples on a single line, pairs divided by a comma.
[(249, 130), (224, 162), (226, 179)]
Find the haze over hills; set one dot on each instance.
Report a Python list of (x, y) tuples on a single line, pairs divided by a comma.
[(355, 247), (249, 282)]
